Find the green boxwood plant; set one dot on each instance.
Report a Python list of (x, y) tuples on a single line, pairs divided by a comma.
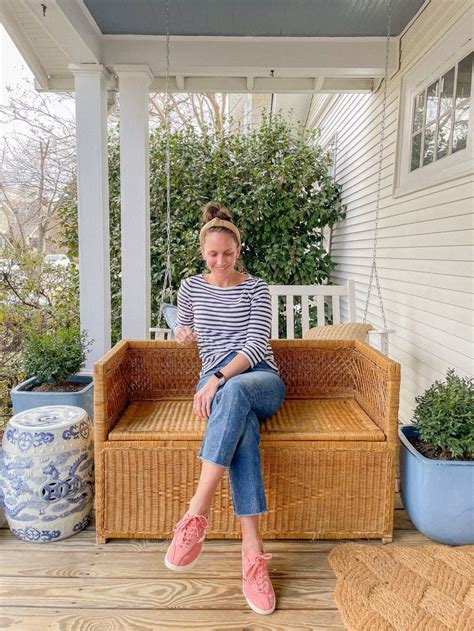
[(52, 357), (444, 417)]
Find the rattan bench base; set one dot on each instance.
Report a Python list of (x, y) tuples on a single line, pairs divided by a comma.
[(328, 456), (320, 489)]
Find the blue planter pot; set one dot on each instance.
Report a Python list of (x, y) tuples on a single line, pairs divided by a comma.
[(22, 399), (438, 495)]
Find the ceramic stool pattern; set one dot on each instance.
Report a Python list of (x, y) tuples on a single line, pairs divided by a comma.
[(47, 472)]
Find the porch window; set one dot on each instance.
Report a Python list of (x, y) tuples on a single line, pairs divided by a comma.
[(436, 117), (441, 115)]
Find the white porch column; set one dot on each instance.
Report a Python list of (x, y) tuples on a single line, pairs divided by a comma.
[(134, 83), (93, 205)]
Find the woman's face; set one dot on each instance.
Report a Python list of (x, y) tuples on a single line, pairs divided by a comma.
[(220, 251)]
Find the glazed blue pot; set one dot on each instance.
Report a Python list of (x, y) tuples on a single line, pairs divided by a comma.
[(438, 495), (22, 399)]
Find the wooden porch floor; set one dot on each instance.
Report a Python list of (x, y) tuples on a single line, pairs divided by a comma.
[(123, 585)]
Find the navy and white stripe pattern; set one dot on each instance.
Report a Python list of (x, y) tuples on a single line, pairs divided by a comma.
[(227, 319)]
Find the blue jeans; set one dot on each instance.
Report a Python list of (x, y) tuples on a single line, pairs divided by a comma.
[(232, 435)]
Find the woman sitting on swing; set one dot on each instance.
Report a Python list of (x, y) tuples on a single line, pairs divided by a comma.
[(229, 314)]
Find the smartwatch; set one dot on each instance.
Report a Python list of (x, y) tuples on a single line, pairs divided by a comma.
[(220, 377)]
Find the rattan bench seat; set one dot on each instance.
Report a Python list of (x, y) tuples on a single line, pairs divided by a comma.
[(328, 456), (297, 419)]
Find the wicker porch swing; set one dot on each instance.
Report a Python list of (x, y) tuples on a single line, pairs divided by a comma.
[(328, 456)]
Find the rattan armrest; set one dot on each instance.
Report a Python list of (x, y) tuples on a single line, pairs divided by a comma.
[(111, 390), (376, 381)]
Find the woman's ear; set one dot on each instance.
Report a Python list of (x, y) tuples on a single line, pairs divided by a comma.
[(203, 257)]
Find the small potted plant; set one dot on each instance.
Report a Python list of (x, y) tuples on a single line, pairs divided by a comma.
[(437, 462), (53, 360)]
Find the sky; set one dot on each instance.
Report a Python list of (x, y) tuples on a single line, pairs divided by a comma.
[(13, 69), (15, 74)]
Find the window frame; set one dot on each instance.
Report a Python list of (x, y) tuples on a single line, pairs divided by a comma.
[(453, 47)]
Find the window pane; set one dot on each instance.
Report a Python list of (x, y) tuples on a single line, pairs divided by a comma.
[(463, 84), (446, 92), (462, 113), (415, 152), (459, 135), (418, 111), (428, 148), (432, 102), (444, 129)]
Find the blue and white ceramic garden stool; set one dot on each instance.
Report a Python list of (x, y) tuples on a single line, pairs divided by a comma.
[(47, 473)]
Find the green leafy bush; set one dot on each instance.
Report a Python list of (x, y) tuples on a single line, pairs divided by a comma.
[(444, 416), (55, 355), (275, 181), (35, 297)]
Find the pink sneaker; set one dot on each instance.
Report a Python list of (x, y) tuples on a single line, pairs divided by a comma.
[(187, 542), (257, 586)]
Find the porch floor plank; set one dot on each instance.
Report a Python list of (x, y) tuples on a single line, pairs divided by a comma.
[(149, 565), (149, 620), (123, 585)]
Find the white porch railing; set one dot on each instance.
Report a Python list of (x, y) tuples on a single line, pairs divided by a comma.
[(311, 296)]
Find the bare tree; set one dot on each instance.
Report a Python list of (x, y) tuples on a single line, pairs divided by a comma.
[(38, 152), (37, 162), (206, 111)]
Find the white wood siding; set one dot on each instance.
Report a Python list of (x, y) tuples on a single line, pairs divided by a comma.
[(425, 238)]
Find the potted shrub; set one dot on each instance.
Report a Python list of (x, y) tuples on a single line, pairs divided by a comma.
[(53, 360), (437, 462)]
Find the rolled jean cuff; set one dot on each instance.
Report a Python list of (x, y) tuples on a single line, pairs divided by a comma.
[(251, 514), (218, 464)]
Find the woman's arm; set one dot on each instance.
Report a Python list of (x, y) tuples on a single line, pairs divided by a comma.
[(184, 333), (260, 324), (203, 398)]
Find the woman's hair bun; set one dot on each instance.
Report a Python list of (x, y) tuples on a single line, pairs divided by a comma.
[(214, 209)]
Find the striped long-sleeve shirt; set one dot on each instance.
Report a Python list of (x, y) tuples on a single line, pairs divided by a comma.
[(227, 319)]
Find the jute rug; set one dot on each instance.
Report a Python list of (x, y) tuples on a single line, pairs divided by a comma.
[(399, 588)]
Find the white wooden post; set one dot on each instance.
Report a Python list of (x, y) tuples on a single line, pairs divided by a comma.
[(93, 205), (134, 83)]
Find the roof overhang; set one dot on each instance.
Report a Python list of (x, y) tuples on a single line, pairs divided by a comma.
[(65, 33)]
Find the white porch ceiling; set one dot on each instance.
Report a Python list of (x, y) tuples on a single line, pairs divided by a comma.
[(269, 46)]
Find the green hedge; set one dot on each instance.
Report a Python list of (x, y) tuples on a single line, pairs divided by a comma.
[(275, 181)]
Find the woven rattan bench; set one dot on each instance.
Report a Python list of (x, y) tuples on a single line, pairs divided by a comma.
[(328, 456)]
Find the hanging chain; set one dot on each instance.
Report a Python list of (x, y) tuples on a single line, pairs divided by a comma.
[(379, 176), (168, 270)]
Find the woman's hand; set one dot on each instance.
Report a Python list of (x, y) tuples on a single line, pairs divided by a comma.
[(203, 398), (185, 335)]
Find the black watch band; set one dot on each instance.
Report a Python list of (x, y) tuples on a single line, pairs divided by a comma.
[(220, 377)]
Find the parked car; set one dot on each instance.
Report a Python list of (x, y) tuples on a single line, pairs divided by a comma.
[(57, 260)]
